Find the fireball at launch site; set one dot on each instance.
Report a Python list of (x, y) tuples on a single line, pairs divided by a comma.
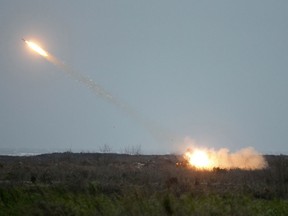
[(208, 158)]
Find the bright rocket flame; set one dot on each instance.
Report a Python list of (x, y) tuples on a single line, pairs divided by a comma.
[(199, 159), (77, 76), (37, 48)]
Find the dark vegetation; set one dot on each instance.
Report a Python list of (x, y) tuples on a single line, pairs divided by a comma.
[(113, 184)]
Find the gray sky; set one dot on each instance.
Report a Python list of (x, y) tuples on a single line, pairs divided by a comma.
[(214, 71)]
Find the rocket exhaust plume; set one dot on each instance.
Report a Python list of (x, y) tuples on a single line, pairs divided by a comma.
[(208, 158), (77, 76), (156, 133)]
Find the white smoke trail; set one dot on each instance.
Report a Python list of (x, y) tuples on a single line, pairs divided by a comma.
[(91, 84), (156, 132), (96, 88)]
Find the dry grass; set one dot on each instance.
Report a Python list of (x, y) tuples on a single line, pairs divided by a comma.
[(154, 183)]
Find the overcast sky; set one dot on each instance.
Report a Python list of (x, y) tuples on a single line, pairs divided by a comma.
[(214, 71)]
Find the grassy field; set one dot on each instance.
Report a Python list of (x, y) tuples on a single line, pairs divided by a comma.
[(112, 184)]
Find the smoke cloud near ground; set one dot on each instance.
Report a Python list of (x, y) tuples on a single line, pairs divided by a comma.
[(246, 158)]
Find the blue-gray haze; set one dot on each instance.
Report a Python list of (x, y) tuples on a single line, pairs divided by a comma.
[(215, 71)]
